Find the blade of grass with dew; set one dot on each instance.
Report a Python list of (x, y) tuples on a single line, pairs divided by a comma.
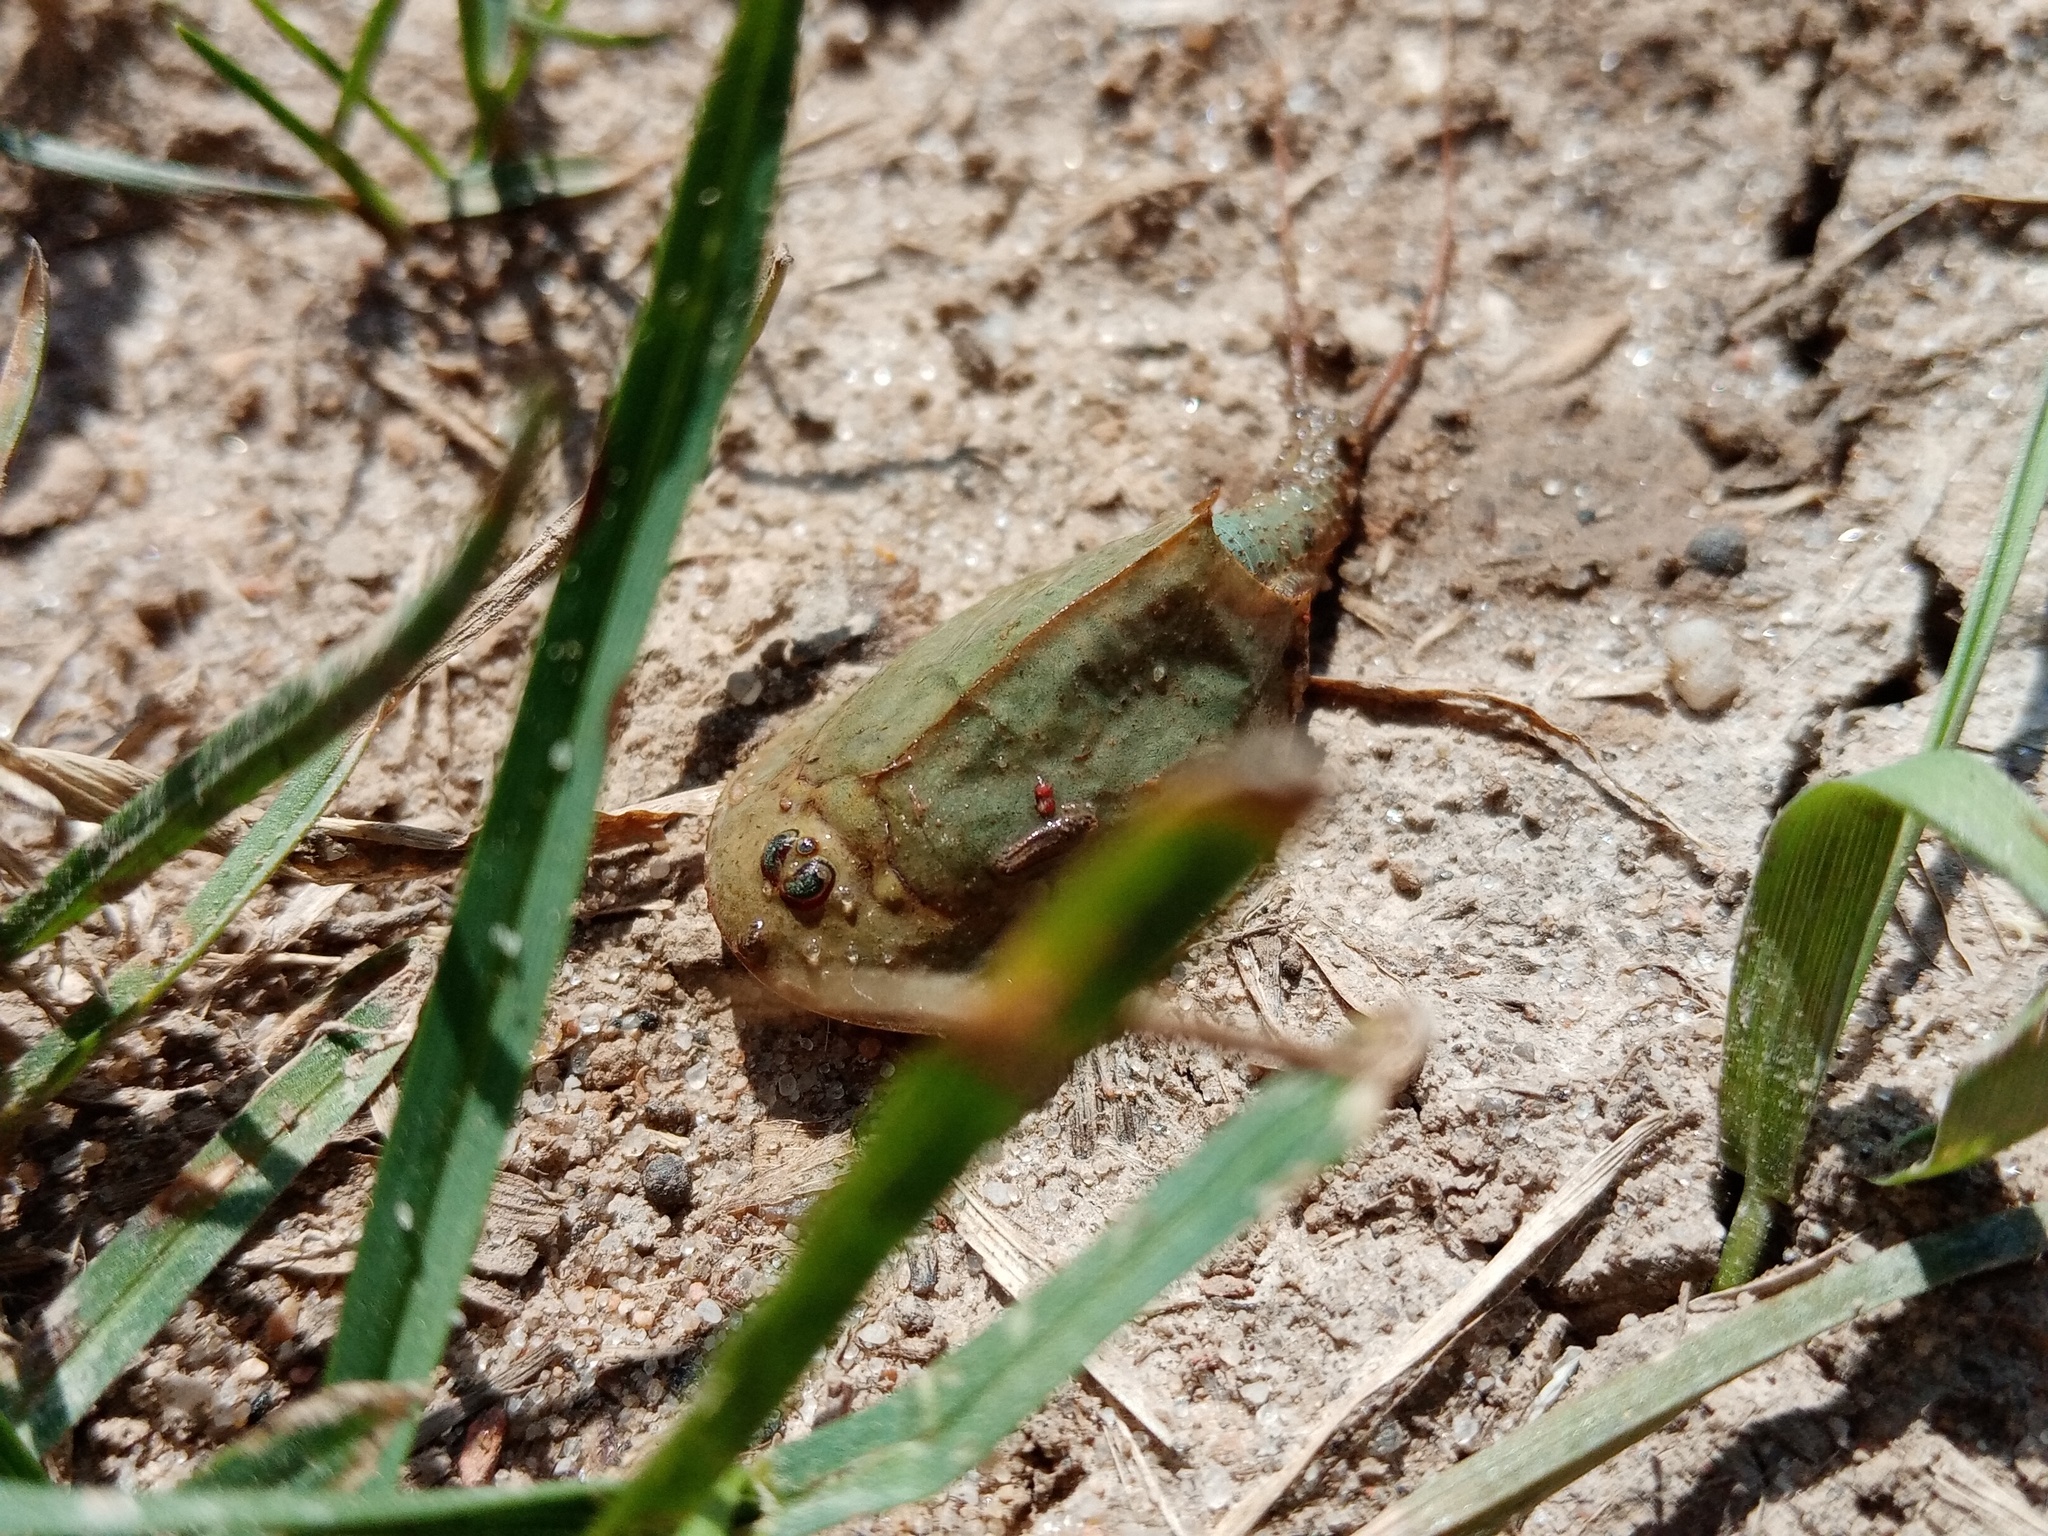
[(477, 1028), (329, 66), (355, 85), (138, 173), (98, 1322), (1802, 954), (544, 1509), (23, 369), (1781, 1023), (1490, 1487), (582, 37), (916, 1441), (239, 760), (504, 186), (1052, 990), (373, 203), (330, 1440)]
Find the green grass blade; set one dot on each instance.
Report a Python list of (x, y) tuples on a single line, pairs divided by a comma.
[(136, 173), (47, 1067), (331, 1440), (18, 1463), (487, 65), (133, 1285), (504, 186), (372, 201), (1803, 950), (1054, 987), (913, 1443), (1486, 1490), (355, 85), (238, 761), (582, 37), (329, 66), (547, 1509), (23, 369), (478, 1025), (1998, 1099), (2012, 535), (1775, 1035)]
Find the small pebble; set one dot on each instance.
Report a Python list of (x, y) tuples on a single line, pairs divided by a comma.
[(1465, 1432), (914, 1315), (665, 1181), (671, 1115), (1704, 671), (998, 1194), (1721, 550), (1405, 878), (875, 1335), (710, 1312)]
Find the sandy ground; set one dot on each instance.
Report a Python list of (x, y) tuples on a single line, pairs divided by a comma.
[(1035, 305)]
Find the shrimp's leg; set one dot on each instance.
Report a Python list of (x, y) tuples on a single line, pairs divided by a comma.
[(1403, 372)]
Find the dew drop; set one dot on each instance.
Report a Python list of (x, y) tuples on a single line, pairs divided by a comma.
[(708, 196), (402, 1213), (506, 941), (562, 755)]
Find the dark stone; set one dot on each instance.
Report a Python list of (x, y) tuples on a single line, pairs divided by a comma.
[(665, 1181), (671, 1115), (1720, 550)]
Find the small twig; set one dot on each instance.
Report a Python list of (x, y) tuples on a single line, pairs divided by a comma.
[(1559, 1214)]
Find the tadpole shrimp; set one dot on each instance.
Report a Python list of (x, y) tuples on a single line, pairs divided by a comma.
[(900, 828)]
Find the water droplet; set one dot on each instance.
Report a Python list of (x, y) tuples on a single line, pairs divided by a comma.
[(506, 941), (1553, 487), (402, 1213), (1159, 672), (708, 196), (562, 755)]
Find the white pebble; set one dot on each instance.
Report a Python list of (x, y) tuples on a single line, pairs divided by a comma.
[(1704, 671)]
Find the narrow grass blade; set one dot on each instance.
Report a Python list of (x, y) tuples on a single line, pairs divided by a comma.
[(47, 1067), (238, 761), (487, 64), (137, 173), (1485, 1491), (23, 369), (100, 1320), (547, 1509), (914, 1442), (355, 86), (372, 201), (329, 66), (555, 31), (1053, 989), (478, 1025), (330, 1440), (1782, 1028), (504, 186)]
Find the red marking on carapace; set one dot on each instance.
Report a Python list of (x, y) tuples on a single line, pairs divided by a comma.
[(1047, 802)]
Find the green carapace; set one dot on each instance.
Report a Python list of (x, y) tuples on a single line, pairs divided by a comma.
[(899, 829)]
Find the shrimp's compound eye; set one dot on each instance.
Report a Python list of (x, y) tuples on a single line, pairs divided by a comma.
[(776, 854), (807, 885)]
